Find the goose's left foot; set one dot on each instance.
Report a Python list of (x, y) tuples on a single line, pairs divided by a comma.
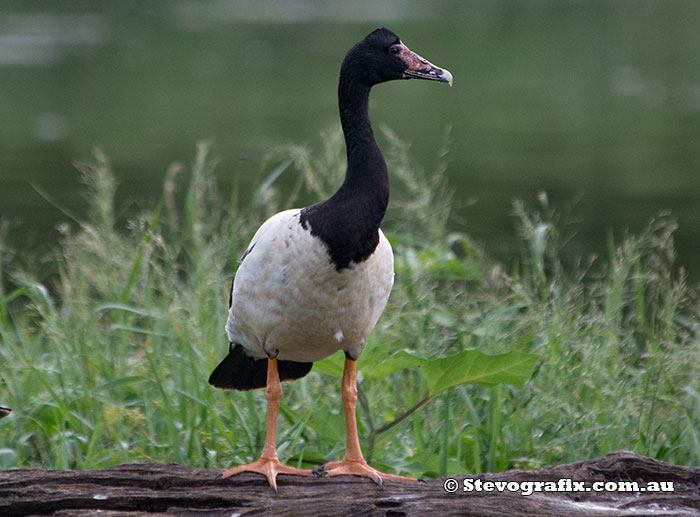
[(357, 468)]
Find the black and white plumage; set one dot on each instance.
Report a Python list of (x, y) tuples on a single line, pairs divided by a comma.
[(291, 302), (315, 280)]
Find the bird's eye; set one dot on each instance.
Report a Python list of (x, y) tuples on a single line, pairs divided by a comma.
[(394, 49)]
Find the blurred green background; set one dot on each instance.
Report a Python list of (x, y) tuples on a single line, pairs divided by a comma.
[(595, 102)]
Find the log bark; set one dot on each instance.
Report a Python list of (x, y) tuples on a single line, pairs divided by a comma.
[(154, 489)]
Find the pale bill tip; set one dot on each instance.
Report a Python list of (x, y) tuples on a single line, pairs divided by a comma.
[(446, 77)]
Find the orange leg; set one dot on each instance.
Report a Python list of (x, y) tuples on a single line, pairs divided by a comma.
[(269, 464), (354, 463)]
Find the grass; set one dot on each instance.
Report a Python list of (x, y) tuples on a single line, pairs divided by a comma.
[(106, 347)]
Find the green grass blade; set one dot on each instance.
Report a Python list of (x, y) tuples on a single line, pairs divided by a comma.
[(145, 241)]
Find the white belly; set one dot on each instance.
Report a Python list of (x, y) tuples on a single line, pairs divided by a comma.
[(289, 298)]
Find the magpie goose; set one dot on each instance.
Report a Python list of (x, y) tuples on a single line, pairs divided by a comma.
[(315, 280)]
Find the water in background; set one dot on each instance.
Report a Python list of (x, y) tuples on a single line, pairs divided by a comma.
[(595, 102)]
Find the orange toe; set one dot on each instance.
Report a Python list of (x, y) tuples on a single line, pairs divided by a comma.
[(269, 468), (358, 468)]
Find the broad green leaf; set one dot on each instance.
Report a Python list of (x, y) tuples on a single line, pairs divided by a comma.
[(379, 369), (468, 367), (374, 363), (474, 367), (331, 365)]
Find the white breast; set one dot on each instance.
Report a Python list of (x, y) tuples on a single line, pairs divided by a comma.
[(289, 297)]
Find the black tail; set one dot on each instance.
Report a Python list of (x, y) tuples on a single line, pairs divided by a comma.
[(239, 371)]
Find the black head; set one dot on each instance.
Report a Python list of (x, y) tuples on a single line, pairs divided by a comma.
[(382, 57)]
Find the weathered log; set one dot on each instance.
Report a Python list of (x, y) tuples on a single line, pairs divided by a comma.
[(154, 489)]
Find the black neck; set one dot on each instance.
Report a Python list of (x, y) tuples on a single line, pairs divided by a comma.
[(366, 170), (348, 222), (353, 104)]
